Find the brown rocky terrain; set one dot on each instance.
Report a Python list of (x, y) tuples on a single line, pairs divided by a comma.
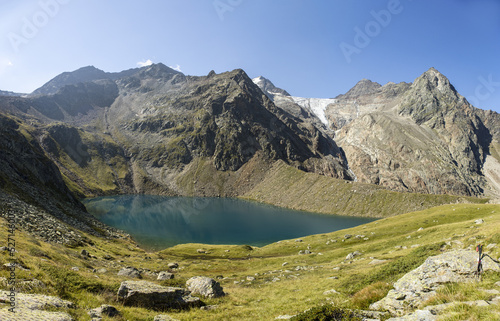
[(421, 137)]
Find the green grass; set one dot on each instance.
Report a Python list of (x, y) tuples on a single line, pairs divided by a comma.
[(289, 187), (278, 288)]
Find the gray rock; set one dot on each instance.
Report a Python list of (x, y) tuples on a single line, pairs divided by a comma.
[(205, 286), (419, 315), (104, 310), (298, 240), (209, 307), (130, 272), (85, 253), (284, 317), (36, 301), (347, 236), (38, 315), (165, 276), (329, 292), (156, 297), (173, 265), (352, 255), (29, 307), (102, 271), (480, 221), (420, 284)]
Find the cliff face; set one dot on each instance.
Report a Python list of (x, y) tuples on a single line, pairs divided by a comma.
[(423, 137)]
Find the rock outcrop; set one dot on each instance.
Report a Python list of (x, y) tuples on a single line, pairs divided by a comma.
[(421, 284), (32, 307), (205, 286), (421, 137), (156, 297)]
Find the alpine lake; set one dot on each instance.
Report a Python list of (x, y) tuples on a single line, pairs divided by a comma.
[(159, 222)]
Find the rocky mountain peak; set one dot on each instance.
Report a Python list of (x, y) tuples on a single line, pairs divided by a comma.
[(158, 70), (81, 75), (269, 88), (363, 87), (432, 80)]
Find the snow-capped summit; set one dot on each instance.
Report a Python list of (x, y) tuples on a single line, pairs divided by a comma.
[(269, 88)]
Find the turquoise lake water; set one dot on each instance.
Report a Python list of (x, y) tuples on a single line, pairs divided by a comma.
[(158, 222)]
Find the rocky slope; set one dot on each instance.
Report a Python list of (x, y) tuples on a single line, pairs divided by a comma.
[(156, 130), (420, 137)]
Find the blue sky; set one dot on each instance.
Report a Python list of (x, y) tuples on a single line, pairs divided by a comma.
[(310, 48)]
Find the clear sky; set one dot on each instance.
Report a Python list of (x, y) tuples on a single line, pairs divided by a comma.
[(310, 48)]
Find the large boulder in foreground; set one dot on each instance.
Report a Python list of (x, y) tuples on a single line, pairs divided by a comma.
[(156, 297), (420, 284), (205, 286)]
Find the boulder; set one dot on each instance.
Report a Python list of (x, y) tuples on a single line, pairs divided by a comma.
[(104, 310), (130, 272), (173, 265), (420, 284), (156, 297), (30, 307), (352, 255), (165, 276), (205, 286)]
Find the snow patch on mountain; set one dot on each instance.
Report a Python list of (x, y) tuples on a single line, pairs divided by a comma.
[(316, 105)]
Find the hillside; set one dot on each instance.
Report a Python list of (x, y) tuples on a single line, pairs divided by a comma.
[(264, 283), (419, 137)]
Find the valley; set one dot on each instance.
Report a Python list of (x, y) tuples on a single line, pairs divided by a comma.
[(416, 156)]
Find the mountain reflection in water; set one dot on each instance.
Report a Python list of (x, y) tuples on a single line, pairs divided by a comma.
[(157, 222)]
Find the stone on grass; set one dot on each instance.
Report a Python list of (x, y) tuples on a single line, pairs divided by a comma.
[(130, 272), (156, 297), (29, 307), (205, 286), (104, 310), (352, 255), (329, 292), (421, 284), (173, 265), (165, 276)]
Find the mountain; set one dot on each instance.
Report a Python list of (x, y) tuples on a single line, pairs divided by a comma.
[(269, 88), (154, 130), (420, 137), (82, 75), (10, 93)]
